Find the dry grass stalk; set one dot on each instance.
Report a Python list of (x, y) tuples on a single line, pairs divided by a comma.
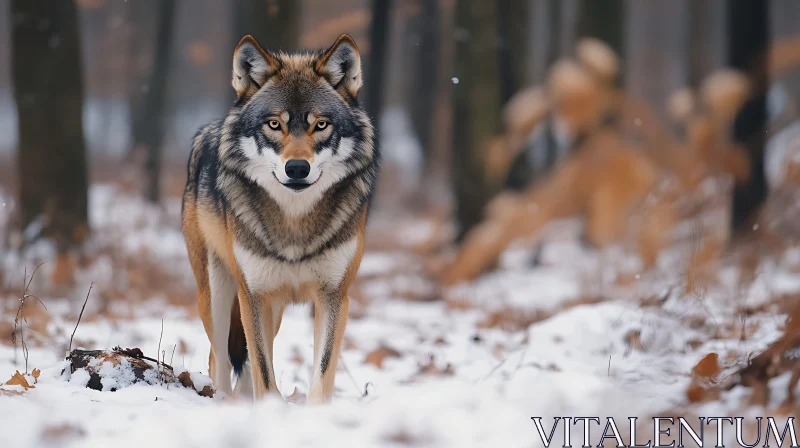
[(20, 319)]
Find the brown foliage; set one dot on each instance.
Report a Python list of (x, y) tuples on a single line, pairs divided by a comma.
[(18, 379), (377, 356), (777, 359)]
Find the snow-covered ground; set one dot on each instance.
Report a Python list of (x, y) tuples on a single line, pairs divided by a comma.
[(412, 373)]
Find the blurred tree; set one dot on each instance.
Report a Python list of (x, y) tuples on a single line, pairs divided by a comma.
[(374, 76), (477, 106), (151, 124), (698, 44), (423, 39), (523, 170), (514, 21), (748, 33), (48, 91), (553, 53), (605, 21), (274, 23), (141, 20)]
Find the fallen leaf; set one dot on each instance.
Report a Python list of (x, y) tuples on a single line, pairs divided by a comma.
[(35, 374), (19, 380), (207, 391), (61, 432), (376, 357), (186, 380), (695, 393), (708, 367), (431, 369)]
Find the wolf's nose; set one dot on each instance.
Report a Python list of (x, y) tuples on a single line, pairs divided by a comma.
[(297, 169)]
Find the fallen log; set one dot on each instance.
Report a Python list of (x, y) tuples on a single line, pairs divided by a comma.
[(111, 370)]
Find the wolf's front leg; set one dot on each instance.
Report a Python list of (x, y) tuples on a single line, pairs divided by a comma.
[(330, 320), (258, 323)]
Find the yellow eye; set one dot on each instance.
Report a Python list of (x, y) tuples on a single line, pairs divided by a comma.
[(274, 124), (322, 125)]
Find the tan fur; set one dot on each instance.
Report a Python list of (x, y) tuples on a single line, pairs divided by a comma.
[(297, 148)]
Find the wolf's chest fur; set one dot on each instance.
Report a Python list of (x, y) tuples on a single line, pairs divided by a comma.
[(275, 249)]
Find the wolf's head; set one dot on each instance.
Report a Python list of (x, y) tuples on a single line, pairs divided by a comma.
[(297, 128)]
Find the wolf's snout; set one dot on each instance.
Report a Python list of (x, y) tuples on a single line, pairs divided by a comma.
[(297, 169)]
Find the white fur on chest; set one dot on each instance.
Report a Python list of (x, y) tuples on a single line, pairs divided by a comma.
[(264, 274)]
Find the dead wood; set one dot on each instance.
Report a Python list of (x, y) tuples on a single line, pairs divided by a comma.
[(145, 369)]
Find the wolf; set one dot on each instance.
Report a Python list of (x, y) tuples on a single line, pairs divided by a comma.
[(274, 210)]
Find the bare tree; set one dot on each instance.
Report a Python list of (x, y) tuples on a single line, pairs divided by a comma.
[(274, 23), (605, 21), (514, 21), (152, 122), (48, 90), (476, 106), (376, 61), (698, 44), (423, 40), (747, 50)]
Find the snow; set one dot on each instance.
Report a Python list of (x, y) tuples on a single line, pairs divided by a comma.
[(456, 381), (576, 362)]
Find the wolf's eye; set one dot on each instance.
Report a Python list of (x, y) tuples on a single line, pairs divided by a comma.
[(274, 124), (322, 125)]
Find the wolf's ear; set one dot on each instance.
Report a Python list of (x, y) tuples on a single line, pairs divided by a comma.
[(341, 65), (252, 66)]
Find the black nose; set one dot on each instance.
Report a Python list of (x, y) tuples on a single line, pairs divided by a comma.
[(297, 169)]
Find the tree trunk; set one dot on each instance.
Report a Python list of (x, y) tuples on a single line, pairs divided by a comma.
[(423, 39), (747, 51), (141, 46), (153, 120), (376, 61), (604, 20), (48, 90), (514, 21), (274, 23), (476, 107), (699, 46), (553, 53)]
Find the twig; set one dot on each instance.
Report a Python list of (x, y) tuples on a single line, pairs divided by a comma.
[(158, 367), (609, 366), (172, 358), (20, 318), (164, 362), (366, 388), (69, 350), (352, 378)]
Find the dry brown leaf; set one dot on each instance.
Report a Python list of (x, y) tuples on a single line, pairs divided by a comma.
[(695, 393), (708, 367), (376, 357), (207, 391), (186, 380), (35, 374), (19, 380), (431, 369), (62, 432)]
